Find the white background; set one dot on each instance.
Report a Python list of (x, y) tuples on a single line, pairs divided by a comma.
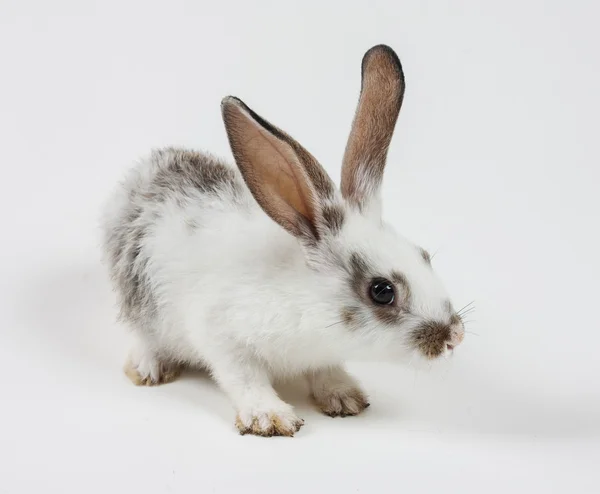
[(494, 165)]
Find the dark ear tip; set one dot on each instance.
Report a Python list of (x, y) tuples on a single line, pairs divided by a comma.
[(229, 101), (229, 105), (384, 51)]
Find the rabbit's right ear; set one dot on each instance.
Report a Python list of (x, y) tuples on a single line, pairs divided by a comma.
[(285, 179), (381, 94)]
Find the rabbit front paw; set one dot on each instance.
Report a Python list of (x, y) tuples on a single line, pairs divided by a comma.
[(268, 423), (342, 403), (336, 393)]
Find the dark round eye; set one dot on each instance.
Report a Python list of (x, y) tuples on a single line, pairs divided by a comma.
[(382, 291)]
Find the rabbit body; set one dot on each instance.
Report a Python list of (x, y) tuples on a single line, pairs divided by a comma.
[(206, 279), (266, 270), (201, 268)]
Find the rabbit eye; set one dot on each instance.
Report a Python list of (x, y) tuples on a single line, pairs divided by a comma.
[(382, 291)]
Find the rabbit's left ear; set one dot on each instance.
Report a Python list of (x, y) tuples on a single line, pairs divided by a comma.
[(285, 179), (381, 95)]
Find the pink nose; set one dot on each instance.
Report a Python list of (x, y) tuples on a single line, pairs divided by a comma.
[(457, 334)]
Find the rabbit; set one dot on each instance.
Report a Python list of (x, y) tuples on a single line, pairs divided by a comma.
[(266, 270)]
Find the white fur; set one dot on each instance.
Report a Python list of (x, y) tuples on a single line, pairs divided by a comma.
[(238, 295)]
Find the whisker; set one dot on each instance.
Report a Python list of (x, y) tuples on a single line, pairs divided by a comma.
[(467, 307), (473, 333), (334, 324), (465, 315)]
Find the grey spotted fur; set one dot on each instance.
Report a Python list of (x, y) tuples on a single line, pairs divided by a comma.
[(175, 175)]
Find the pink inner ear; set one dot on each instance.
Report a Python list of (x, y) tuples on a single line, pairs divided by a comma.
[(273, 171), (283, 175)]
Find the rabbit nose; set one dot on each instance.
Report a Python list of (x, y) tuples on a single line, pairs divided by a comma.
[(457, 334)]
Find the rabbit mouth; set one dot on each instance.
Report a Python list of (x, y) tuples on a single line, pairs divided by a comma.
[(434, 339)]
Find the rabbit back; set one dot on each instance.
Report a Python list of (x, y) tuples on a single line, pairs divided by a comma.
[(169, 183)]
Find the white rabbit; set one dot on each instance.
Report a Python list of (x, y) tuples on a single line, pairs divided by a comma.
[(267, 271)]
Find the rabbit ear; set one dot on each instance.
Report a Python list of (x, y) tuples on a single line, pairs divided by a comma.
[(285, 179), (381, 94)]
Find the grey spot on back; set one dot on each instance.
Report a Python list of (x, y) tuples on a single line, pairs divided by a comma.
[(124, 248), (181, 174), (176, 175)]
